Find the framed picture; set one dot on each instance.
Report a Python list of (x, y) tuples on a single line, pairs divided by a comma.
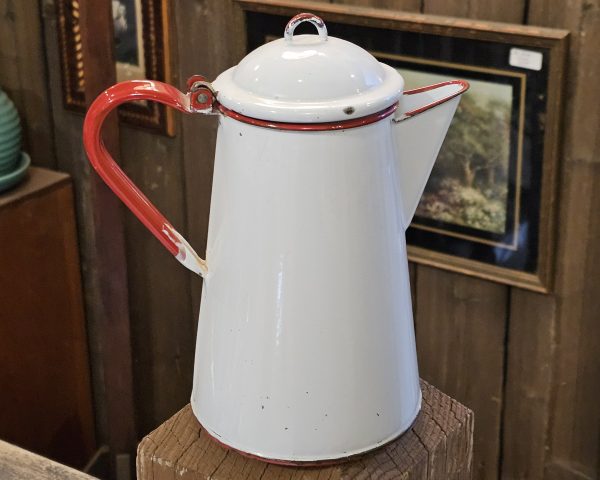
[(488, 209), (141, 52)]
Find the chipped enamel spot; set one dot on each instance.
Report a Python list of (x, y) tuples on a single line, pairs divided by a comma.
[(186, 254)]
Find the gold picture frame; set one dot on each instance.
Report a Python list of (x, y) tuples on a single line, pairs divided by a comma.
[(481, 50), (144, 25)]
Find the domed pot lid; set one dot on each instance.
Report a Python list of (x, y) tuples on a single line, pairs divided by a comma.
[(308, 79)]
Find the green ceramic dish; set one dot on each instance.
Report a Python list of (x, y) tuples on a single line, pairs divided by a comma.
[(8, 169), (9, 129), (10, 160), (8, 114), (10, 154), (11, 179), (5, 144)]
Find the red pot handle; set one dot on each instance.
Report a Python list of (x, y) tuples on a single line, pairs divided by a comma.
[(200, 98)]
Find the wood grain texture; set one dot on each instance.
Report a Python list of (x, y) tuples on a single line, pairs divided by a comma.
[(532, 328), (470, 28), (46, 402), (405, 5), (108, 258), (575, 416), (438, 446), (98, 300), (23, 76), (70, 158), (573, 429), (582, 117), (512, 11), (221, 19), (484, 335), (531, 345), (163, 327), (19, 464), (460, 342)]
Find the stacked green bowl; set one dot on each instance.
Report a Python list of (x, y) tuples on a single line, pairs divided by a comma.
[(13, 162)]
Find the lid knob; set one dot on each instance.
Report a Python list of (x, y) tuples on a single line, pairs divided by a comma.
[(305, 17)]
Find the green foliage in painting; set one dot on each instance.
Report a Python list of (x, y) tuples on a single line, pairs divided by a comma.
[(469, 183)]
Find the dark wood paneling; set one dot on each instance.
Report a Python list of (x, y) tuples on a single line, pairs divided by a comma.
[(46, 402), (70, 158), (575, 416), (23, 76), (162, 328), (404, 5), (499, 11), (482, 329), (460, 341), (573, 442), (530, 347), (107, 256), (223, 29), (104, 290)]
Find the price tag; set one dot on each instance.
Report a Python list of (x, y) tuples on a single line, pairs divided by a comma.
[(525, 59)]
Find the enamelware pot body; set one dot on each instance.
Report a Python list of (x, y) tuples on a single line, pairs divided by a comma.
[(305, 347)]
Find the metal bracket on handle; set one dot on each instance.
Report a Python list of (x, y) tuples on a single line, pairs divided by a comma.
[(202, 95)]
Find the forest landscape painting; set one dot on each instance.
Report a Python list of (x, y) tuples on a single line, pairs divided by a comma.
[(469, 182)]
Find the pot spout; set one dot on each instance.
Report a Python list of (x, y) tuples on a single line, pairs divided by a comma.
[(420, 125)]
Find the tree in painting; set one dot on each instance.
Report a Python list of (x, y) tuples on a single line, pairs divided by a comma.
[(469, 182)]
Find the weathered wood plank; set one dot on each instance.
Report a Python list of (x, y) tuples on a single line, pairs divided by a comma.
[(532, 337), (438, 446), (162, 323), (582, 122), (406, 5), (108, 256), (460, 341), (23, 76), (575, 417), (221, 19), (70, 158), (113, 386), (19, 464), (530, 349), (498, 11), (484, 348), (409, 21)]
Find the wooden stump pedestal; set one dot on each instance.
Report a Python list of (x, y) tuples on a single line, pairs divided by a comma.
[(438, 446)]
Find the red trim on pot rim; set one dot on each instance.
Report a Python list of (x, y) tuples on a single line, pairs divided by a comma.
[(353, 123), (312, 127)]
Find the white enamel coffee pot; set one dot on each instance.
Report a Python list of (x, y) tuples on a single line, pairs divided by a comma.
[(305, 348)]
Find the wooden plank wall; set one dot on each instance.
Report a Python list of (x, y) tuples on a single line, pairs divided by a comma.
[(526, 363)]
